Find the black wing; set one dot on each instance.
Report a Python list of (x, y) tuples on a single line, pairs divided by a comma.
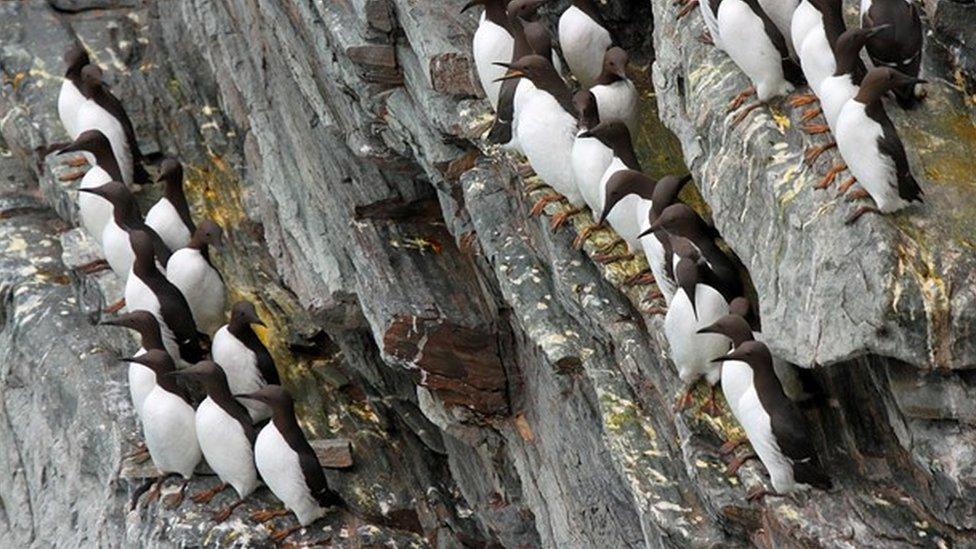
[(890, 145), (309, 462), (265, 362), (791, 70), (501, 130), (162, 250), (177, 315)]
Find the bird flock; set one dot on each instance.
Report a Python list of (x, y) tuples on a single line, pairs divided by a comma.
[(581, 146), (245, 428)]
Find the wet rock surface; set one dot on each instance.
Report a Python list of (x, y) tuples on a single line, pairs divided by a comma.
[(497, 386)]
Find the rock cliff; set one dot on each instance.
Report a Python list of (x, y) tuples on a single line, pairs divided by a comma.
[(498, 386)]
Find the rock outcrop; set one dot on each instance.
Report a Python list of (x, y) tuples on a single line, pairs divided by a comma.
[(497, 385)]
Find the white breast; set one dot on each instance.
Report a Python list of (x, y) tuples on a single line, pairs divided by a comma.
[(166, 221), (201, 286), (169, 427), (817, 58), (835, 92), (546, 134), (857, 141), (226, 447), (619, 102), (736, 381), (94, 211), (279, 467), (745, 40), (711, 23), (692, 352), (654, 252), (756, 423), (70, 101), (584, 43), (623, 217), (240, 365), (805, 17), (93, 117), (139, 297), (118, 251), (590, 160), (780, 12), (491, 44), (141, 382)]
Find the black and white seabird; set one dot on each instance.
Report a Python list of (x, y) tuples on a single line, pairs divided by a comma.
[(288, 464), (657, 244), (780, 12), (125, 218), (680, 220), (94, 211), (492, 42), (170, 216), (625, 200), (246, 361), (547, 128), (607, 145), (141, 378), (695, 305), (537, 33), (584, 40), (147, 289), (816, 53), (776, 429), (869, 143), (168, 421), (225, 434), (616, 96), (805, 17), (899, 46), (70, 98), (190, 270)]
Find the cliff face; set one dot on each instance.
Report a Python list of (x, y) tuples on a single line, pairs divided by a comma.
[(497, 385)]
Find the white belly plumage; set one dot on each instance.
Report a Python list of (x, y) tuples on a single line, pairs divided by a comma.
[(168, 424), (857, 141), (70, 101), (654, 252), (166, 221), (93, 117), (835, 92), (139, 297), (141, 383), (619, 102), (755, 422), (584, 44), (201, 286), (744, 39), (225, 447), (546, 134), (780, 12), (491, 44), (94, 211), (281, 471), (590, 161), (817, 58), (240, 366), (711, 23), (118, 251), (692, 352), (805, 17), (624, 216)]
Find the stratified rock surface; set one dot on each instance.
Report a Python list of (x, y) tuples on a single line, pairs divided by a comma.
[(498, 387)]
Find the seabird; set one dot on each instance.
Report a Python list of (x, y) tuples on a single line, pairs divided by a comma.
[(816, 52), (805, 17), (547, 129), (537, 33), (168, 422), (70, 99), (584, 41), (147, 289), (93, 210), (125, 218), (591, 155), (246, 361), (695, 305), (103, 111), (287, 462), (625, 199), (514, 92), (225, 434), (190, 270), (780, 12), (141, 378), (170, 216), (606, 145), (492, 42), (899, 46), (869, 143), (776, 429), (616, 96), (657, 244)]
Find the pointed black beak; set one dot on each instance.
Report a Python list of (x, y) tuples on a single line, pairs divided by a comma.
[(469, 5), (248, 396), (875, 30), (70, 147), (90, 191), (109, 322), (709, 330)]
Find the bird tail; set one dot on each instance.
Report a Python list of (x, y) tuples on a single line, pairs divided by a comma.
[(331, 498), (140, 175), (809, 472), (501, 132)]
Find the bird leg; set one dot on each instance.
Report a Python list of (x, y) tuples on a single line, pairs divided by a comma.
[(738, 461), (224, 514), (173, 501), (815, 129), (607, 259), (560, 218), (279, 535), (810, 114), (706, 38), (77, 161), (541, 203), (858, 193), (813, 153), (745, 112), (207, 495), (606, 248), (850, 181), (93, 267), (140, 454), (738, 100), (533, 187), (142, 489), (115, 307), (684, 401), (859, 212), (711, 407), (731, 445), (72, 176), (585, 233), (656, 310), (830, 176), (264, 515), (802, 99), (525, 170), (654, 294), (688, 6), (757, 493), (642, 278)]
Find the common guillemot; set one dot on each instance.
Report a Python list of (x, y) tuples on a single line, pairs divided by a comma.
[(246, 361), (492, 42), (190, 270), (170, 216), (900, 46), (584, 40)]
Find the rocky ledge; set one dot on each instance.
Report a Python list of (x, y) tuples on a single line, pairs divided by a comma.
[(497, 386)]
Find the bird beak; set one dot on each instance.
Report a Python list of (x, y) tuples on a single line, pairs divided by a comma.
[(685, 179), (912, 80), (109, 322), (709, 330), (656, 226), (736, 354), (875, 30), (511, 74), (646, 233), (70, 147), (469, 5), (248, 396), (90, 191), (133, 360), (587, 133)]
